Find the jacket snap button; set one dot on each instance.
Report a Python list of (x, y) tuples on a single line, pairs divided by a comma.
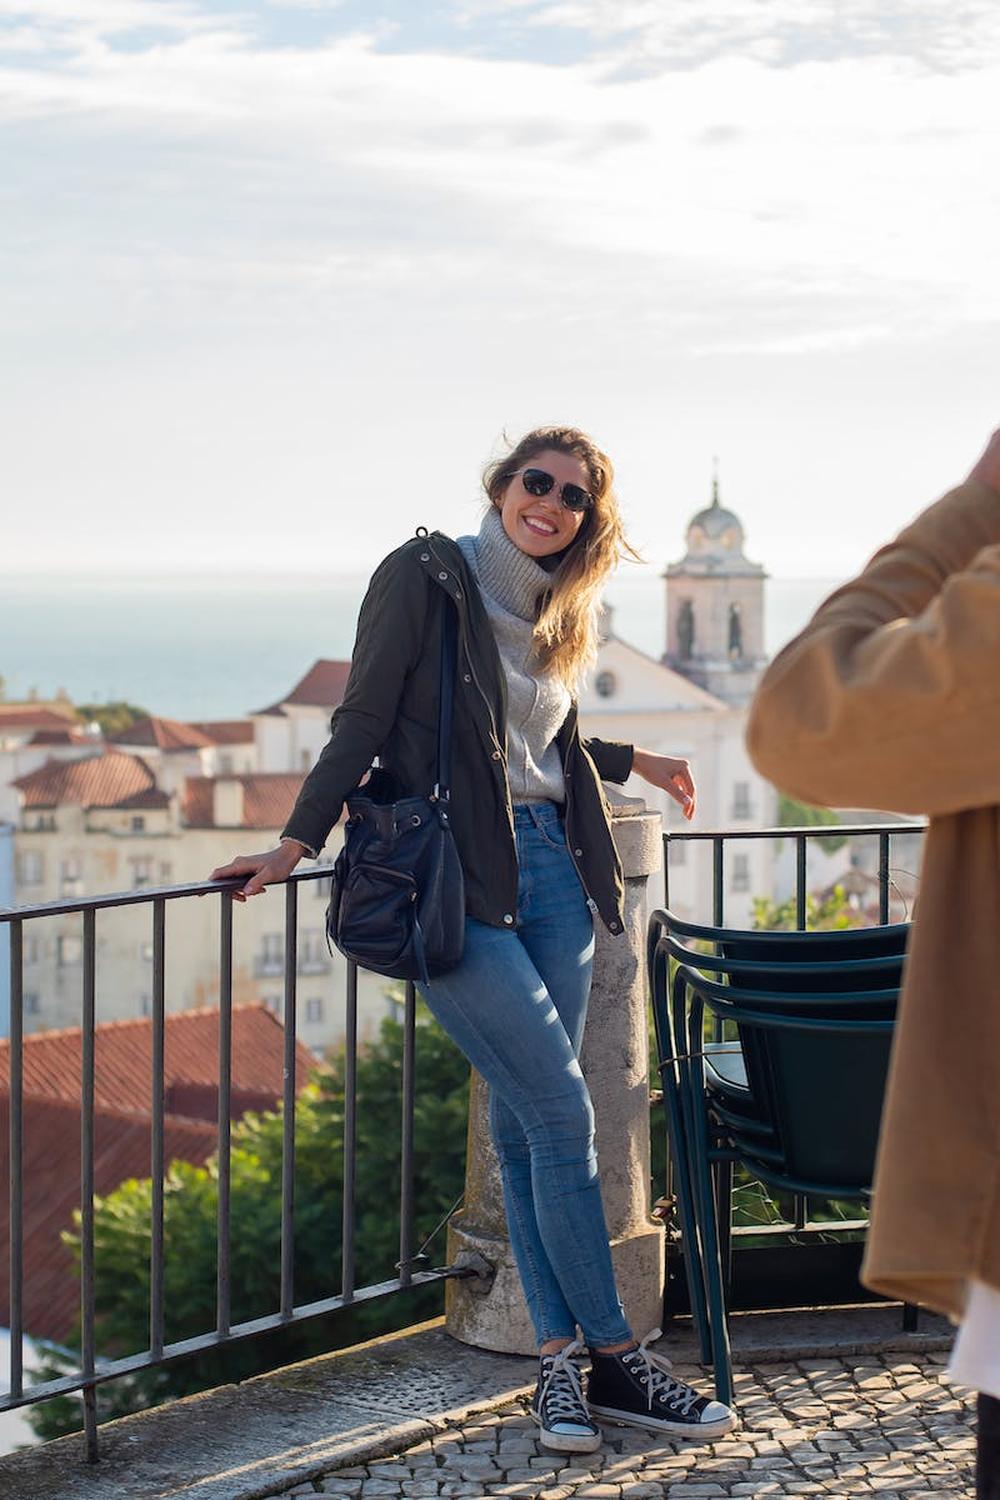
[(442, 576), (508, 918), (614, 926), (577, 852), (466, 676), (496, 755), (425, 557)]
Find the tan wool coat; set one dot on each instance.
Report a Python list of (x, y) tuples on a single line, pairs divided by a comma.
[(890, 699)]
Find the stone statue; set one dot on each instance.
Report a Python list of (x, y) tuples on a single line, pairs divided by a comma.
[(735, 631), (685, 629)]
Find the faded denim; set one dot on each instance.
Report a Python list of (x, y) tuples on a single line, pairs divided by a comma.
[(516, 1006)]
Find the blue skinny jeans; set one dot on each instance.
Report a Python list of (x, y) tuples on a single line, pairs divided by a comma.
[(516, 1005)]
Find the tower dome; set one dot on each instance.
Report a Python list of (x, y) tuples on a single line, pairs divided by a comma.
[(715, 539)]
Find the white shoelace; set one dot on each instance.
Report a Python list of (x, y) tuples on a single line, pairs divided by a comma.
[(654, 1373), (561, 1395)]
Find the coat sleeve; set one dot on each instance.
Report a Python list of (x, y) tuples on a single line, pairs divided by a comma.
[(890, 697), (389, 637), (612, 759)]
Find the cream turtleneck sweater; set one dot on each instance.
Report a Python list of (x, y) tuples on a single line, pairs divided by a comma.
[(511, 584)]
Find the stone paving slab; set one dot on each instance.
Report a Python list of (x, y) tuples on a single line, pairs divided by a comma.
[(418, 1401), (889, 1426)]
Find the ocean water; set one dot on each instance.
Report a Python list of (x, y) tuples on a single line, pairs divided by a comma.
[(221, 648)]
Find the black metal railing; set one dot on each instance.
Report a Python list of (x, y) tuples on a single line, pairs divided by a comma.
[(800, 1230), (92, 1370)]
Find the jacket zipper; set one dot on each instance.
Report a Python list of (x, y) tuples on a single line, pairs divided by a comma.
[(591, 903), (482, 693)]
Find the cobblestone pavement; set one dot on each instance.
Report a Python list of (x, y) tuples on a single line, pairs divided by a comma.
[(815, 1427)]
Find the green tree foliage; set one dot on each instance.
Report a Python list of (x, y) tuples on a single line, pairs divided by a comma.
[(122, 1228), (112, 717), (827, 913), (792, 814)]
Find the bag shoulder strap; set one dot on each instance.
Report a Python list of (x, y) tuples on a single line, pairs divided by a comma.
[(446, 699)]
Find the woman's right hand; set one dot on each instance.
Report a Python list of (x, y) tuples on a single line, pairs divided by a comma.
[(264, 869)]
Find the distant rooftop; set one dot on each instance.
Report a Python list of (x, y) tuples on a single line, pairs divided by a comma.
[(162, 734), (322, 687), (112, 779), (267, 799)]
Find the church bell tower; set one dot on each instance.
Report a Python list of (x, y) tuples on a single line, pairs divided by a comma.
[(715, 607)]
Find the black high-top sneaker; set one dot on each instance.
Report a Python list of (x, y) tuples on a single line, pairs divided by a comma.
[(637, 1389), (559, 1407)]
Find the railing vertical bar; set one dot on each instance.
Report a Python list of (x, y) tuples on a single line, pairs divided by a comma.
[(288, 1107), (225, 1090), (883, 878), (406, 1154), (87, 1179), (666, 870), (16, 1157), (718, 880), (156, 1150), (350, 1132), (800, 882)]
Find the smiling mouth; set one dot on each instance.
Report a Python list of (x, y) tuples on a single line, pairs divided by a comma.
[(539, 527)]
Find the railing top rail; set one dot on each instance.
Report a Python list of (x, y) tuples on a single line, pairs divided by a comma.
[(813, 831), (143, 895)]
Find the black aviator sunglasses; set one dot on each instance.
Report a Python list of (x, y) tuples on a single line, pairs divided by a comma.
[(540, 482)]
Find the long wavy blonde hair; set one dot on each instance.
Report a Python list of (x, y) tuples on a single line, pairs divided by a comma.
[(565, 632)]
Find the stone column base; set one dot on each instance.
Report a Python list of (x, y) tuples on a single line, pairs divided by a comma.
[(494, 1315)]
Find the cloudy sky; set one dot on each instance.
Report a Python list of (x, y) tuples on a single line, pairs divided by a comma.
[(276, 278)]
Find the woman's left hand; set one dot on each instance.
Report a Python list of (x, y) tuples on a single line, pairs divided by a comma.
[(669, 772)]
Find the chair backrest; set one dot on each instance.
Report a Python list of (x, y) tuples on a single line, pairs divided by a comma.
[(814, 1012), (819, 1083)]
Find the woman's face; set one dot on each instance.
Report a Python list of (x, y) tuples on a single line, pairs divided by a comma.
[(540, 524)]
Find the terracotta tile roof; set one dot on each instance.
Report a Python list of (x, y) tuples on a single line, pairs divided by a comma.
[(51, 1115), (33, 718), (51, 1176), (268, 798), (227, 731), (322, 687), (70, 734), (111, 779), (123, 1058), (162, 734)]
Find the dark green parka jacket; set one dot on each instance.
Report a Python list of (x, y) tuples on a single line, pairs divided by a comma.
[(390, 708)]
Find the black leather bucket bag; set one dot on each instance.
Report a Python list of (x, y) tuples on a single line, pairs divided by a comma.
[(397, 900)]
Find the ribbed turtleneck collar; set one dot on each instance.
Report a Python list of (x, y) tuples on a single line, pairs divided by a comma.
[(507, 574)]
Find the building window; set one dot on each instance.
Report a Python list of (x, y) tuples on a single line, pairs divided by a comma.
[(137, 824), (273, 1003), (146, 953), (271, 958), (313, 955), (32, 1003), (145, 1005), (225, 763), (32, 950), (305, 760), (321, 889), (69, 951), (142, 872), (30, 868), (166, 872), (71, 877), (741, 873), (605, 684), (314, 1011), (741, 799), (677, 853)]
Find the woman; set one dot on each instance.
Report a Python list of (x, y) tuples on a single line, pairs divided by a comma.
[(531, 825)]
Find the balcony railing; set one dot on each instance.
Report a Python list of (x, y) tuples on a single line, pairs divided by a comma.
[(93, 1370)]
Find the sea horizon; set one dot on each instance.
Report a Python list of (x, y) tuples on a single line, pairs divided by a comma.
[(203, 646)]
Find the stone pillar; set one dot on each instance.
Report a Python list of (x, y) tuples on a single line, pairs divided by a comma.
[(489, 1310)]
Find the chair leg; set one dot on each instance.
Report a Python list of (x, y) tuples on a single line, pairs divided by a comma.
[(676, 1137), (711, 1259), (724, 1215)]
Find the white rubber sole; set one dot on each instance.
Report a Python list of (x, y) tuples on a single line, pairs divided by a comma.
[(658, 1424), (564, 1442)]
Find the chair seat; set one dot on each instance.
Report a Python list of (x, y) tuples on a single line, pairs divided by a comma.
[(726, 1066)]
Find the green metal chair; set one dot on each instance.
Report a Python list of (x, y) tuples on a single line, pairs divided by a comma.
[(796, 1096)]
